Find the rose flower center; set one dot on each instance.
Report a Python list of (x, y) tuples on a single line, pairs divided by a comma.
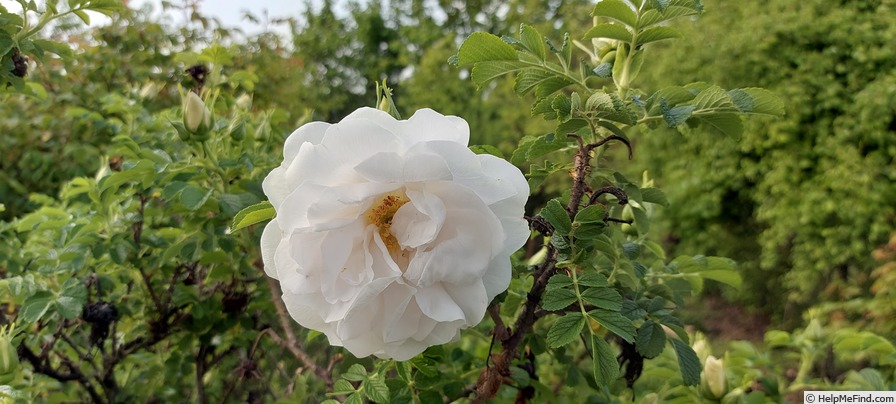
[(381, 214)]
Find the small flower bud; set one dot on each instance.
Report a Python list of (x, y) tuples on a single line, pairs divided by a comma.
[(244, 101), (714, 382), (9, 359), (195, 113)]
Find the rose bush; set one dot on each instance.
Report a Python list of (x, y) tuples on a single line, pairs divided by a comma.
[(391, 236)]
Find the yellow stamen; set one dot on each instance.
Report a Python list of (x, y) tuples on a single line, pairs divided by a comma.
[(381, 215)]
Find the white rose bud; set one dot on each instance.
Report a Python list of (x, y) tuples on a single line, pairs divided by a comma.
[(391, 236), (714, 380), (244, 101), (195, 112)]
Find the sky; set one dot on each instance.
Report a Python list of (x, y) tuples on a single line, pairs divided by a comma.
[(229, 12)]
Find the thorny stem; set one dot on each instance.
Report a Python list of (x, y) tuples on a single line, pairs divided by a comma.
[(618, 193), (581, 167), (493, 377)]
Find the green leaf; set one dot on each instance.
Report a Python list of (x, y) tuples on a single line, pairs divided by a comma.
[(652, 17), (35, 306), (484, 72), (609, 107), (532, 40), (728, 277), (603, 70), (83, 16), (617, 10), (603, 298), (562, 105), (354, 399), (527, 79), (714, 97), (557, 216), (589, 231), (483, 47), (654, 195), (777, 339), (688, 363), (609, 31), (231, 204), (194, 197), (592, 280), (565, 330), (660, 33), (757, 101), (343, 387), (728, 124), (651, 339), (58, 48), (544, 145), (656, 249), (571, 126), (659, 5), (615, 322), (603, 361), (71, 301), (558, 281), (252, 214), (376, 390), (673, 95), (486, 149), (591, 214), (558, 298), (550, 86), (355, 373), (138, 172), (677, 115)]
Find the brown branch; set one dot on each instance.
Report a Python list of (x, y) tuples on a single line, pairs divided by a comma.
[(301, 356), (607, 139), (200, 372), (615, 191), (137, 229), (581, 167), (81, 354), (45, 369), (282, 313), (492, 377)]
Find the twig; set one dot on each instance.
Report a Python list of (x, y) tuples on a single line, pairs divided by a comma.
[(81, 354), (301, 356), (615, 191), (282, 313), (200, 372), (46, 369)]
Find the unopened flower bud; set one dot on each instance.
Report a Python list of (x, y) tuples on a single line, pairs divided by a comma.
[(244, 101), (701, 347), (714, 381), (9, 359), (195, 113)]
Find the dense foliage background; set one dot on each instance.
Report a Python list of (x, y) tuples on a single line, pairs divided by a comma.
[(114, 222)]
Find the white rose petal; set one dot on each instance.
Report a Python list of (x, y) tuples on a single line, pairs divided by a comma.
[(391, 236)]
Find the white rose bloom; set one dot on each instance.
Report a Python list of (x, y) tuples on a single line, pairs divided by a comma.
[(391, 236)]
